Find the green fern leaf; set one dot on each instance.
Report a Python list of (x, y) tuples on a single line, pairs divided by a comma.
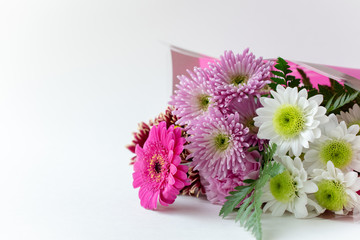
[(249, 196), (333, 105)]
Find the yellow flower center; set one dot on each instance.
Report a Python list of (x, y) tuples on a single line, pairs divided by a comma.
[(288, 121), (156, 166)]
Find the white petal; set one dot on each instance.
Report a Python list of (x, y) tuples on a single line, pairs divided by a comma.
[(317, 98), (350, 178), (300, 207), (310, 187), (279, 208)]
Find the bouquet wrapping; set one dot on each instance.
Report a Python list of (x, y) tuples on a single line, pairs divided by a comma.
[(254, 136)]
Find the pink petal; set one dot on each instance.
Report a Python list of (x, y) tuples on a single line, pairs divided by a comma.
[(171, 179), (163, 201), (170, 154), (170, 144), (183, 168), (179, 184), (178, 149), (181, 175), (153, 200), (173, 169), (169, 138), (166, 198), (176, 161), (137, 179)]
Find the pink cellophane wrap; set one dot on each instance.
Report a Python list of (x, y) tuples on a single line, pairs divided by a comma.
[(318, 73)]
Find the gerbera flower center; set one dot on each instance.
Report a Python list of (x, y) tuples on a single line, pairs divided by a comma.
[(282, 187), (221, 141), (288, 121), (337, 151), (156, 166), (239, 79), (331, 195), (203, 101)]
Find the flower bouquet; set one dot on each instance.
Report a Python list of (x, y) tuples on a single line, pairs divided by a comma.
[(255, 136)]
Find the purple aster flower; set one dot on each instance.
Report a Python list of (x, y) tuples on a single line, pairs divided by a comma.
[(217, 189), (237, 76), (193, 98), (218, 143), (247, 111)]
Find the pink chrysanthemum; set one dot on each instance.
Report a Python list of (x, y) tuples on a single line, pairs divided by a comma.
[(193, 98), (237, 76), (217, 189), (217, 144), (157, 169), (247, 111)]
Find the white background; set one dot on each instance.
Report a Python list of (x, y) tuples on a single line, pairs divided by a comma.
[(77, 76)]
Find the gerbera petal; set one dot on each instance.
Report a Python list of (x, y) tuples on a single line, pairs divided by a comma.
[(157, 164)]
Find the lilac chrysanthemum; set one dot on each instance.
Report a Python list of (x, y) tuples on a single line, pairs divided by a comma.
[(217, 189), (218, 143), (237, 76), (247, 111), (193, 97)]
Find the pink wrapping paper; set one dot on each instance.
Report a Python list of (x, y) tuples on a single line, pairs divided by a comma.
[(318, 73)]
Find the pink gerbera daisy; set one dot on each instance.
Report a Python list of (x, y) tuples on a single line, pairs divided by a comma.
[(247, 111), (217, 144), (237, 76), (158, 172), (193, 97)]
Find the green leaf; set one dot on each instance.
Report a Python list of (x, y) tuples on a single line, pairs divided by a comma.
[(278, 80), (250, 149), (326, 92), (312, 92), (294, 83), (336, 86), (272, 86), (279, 74), (349, 89), (282, 76), (249, 213), (304, 78), (248, 181), (235, 198), (333, 105)]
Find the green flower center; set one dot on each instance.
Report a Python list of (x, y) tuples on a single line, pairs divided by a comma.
[(203, 101), (353, 123), (337, 151), (239, 79), (331, 195), (221, 141), (288, 121), (282, 187)]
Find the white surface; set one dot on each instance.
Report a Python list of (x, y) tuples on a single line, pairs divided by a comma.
[(77, 76)]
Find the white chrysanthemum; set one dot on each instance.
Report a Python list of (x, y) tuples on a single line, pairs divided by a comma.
[(290, 119), (288, 191), (337, 191), (338, 144), (351, 117)]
